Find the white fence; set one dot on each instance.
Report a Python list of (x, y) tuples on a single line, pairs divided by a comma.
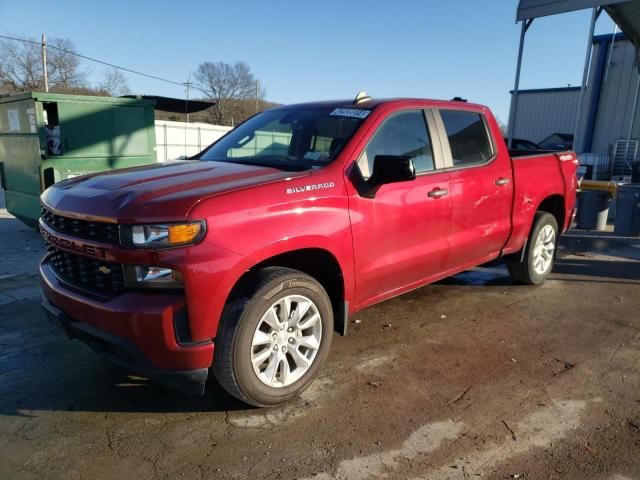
[(177, 139)]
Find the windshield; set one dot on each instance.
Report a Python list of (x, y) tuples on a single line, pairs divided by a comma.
[(296, 139)]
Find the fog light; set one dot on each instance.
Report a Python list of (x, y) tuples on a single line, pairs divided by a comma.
[(152, 277)]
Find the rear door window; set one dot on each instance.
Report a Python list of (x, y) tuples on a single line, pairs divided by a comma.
[(403, 134), (468, 137)]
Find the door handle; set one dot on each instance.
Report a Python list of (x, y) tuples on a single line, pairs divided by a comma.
[(438, 192), (501, 182)]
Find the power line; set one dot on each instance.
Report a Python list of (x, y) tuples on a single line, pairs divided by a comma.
[(94, 60)]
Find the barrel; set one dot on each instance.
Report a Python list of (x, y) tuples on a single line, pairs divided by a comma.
[(593, 208), (628, 211)]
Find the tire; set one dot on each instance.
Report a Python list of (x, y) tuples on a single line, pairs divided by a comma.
[(257, 312), (524, 268)]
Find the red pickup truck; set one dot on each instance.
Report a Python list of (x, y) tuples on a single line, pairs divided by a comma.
[(242, 262)]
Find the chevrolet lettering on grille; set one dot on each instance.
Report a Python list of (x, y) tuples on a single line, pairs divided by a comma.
[(73, 246)]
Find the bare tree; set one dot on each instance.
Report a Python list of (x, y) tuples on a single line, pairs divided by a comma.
[(226, 84), (63, 65), (503, 127), (114, 84), (21, 65)]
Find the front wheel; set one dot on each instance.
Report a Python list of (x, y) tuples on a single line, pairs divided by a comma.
[(273, 337), (536, 264)]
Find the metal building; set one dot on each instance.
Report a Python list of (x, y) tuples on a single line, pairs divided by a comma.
[(607, 125), (607, 108), (610, 105), (546, 111)]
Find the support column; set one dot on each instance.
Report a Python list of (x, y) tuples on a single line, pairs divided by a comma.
[(514, 97), (578, 140)]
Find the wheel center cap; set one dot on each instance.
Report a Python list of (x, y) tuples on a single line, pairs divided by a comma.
[(282, 337)]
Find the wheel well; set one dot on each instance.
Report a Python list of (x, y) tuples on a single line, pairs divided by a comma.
[(316, 262), (555, 206)]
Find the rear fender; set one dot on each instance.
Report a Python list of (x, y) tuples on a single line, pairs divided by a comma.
[(525, 209)]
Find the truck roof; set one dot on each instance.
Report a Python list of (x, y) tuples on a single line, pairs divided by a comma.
[(375, 102)]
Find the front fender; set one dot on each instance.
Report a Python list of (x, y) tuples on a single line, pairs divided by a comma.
[(273, 219), (209, 283), (342, 253)]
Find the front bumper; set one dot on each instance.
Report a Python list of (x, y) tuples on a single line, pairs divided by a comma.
[(134, 330)]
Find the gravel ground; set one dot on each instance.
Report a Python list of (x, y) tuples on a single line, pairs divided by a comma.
[(472, 377)]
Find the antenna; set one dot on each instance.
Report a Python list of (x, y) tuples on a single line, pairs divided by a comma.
[(361, 97)]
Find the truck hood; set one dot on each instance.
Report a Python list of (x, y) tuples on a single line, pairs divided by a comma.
[(160, 192)]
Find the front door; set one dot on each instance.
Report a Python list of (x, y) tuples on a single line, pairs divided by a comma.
[(401, 236)]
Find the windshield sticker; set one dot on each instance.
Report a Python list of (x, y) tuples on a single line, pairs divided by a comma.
[(350, 112), (310, 188)]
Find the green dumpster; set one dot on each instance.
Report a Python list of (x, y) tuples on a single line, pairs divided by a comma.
[(48, 137)]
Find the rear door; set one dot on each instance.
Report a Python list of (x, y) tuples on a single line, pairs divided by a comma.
[(401, 236), (481, 187)]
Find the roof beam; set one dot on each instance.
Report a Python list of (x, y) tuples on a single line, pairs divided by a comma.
[(528, 9)]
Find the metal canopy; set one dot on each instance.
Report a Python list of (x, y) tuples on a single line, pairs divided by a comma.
[(627, 17), (529, 9), (625, 13)]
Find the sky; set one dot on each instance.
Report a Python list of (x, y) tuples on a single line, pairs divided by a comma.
[(302, 50)]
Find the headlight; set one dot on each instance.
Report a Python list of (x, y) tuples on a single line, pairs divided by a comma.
[(162, 235), (156, 277)]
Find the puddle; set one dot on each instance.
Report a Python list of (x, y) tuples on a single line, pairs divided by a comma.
[(480, 276)]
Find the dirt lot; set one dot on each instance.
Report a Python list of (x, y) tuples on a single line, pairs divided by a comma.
[(472, 377)]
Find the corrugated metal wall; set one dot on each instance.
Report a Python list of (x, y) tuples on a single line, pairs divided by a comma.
[(616, 100), (541, 113)]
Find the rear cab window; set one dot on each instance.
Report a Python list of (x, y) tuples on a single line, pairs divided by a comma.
[(468, 137)]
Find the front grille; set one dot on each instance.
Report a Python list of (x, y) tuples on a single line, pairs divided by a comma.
[(98, 231), (87, 273)]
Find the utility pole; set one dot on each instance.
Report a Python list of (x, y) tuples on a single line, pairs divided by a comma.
[(44, 63), (187, 85), (186, 111)]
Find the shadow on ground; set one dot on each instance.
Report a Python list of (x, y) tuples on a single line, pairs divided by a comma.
[(99, 387)]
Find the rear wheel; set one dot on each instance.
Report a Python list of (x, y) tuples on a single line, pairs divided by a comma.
[(274, 337), (536, 264)]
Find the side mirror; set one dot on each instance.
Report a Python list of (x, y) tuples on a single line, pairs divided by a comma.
[(392, 169), (386, 169)]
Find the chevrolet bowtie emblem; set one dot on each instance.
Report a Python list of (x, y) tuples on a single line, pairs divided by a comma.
[(104, 269)]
